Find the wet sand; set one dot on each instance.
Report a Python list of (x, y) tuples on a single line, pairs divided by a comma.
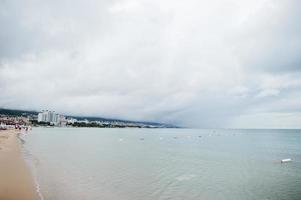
[(16, 182)]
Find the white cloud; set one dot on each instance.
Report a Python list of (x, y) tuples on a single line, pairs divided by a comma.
[(194, 63)]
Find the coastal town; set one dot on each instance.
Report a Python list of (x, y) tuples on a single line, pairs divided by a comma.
[(46, 118)]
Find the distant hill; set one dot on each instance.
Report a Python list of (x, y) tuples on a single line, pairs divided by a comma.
[(90, 118), (15, 112)]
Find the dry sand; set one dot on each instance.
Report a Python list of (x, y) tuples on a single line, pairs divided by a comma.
[(16, 182)]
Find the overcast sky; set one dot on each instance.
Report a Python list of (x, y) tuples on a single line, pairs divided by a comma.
[(196, 63)]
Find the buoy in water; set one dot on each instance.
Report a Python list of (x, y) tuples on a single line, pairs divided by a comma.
[(286, 160)]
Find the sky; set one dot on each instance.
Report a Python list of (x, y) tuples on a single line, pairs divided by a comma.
[(193, 63)]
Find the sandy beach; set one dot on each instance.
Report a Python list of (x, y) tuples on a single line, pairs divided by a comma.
[(16, 182)]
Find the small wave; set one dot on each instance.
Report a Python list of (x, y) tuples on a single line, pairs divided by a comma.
[(185, 177), (38, 188), (32, 163), (19, 136)]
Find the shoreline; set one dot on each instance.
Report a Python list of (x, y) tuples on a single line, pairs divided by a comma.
[(16, 180)]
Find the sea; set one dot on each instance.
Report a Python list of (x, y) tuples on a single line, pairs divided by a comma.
[(164, 164)]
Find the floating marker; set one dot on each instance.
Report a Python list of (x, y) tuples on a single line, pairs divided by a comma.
[(286, 160)]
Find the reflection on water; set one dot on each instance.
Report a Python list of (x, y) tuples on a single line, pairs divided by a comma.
[(175, 164)]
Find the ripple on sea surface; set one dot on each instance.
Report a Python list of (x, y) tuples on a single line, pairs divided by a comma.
[(95, 164)]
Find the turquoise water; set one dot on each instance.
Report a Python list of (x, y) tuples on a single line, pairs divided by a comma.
[(165, 164)]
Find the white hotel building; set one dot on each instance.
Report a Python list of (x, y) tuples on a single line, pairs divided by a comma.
[(50, 116)]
